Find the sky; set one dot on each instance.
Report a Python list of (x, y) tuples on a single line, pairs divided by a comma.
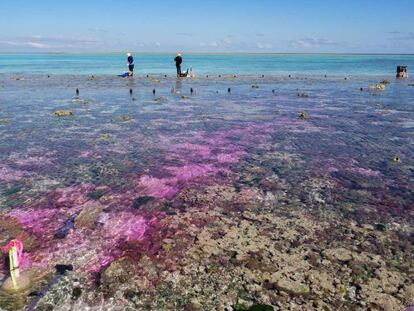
[(258, 26)]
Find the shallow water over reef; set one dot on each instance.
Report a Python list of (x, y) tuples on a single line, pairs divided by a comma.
[(101, 186)]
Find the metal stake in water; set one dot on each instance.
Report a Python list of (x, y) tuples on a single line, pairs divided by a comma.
[(15, 250), (14, 266)]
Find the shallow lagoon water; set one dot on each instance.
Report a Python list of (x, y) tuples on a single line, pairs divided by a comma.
[(226, 63), (122, 164)]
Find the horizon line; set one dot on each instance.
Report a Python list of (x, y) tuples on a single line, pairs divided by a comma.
[(204, 53)]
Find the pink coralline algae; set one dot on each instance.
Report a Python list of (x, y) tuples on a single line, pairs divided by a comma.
[(93, 250), (90, 154), (192, 171), (179, 176), (71, 197), (217, 148), (197, 150), (34, 161), (36, 221), (119, 229), (7, 174), (158, 187), (125, 227), (229, 158)]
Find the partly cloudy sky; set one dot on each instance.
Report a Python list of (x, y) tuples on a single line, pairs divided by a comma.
[(364, 26)]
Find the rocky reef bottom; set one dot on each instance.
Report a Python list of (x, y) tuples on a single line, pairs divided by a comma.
[(243, 252), (227, 194)]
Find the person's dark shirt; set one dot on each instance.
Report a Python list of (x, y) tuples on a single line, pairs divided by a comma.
[(178, 60), (130, 60)]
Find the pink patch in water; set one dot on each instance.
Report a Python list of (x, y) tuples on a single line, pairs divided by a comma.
[(125, 226), (26, 262), (192, 171), (36, 221), (227, 158), (7, 174), (217, 141), (34, 161), (89, 154), (102, 262), (72, 197), (158, 188), (199, 150)]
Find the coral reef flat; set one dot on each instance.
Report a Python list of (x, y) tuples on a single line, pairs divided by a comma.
[(231, 193)]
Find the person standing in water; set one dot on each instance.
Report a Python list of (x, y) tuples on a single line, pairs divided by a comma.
[(130, 65), (178, 61)]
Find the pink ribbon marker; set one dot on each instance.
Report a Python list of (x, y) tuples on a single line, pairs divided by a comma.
[(18, 245)]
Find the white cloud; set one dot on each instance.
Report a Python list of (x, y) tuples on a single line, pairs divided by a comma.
[(306, 43), (213, 44), (31, 44), (37, 45), (42, 42), (264, 46)]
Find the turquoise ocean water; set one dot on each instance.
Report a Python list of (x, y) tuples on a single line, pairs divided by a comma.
[(275, 64)]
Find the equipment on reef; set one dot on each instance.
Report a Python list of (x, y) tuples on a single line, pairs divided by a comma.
[(4, 121), (160, 99), (377, 87), (15, 250), (63, 113), (402, 72), (190, 73), (126, 118), (303, 115), (396, 159)]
